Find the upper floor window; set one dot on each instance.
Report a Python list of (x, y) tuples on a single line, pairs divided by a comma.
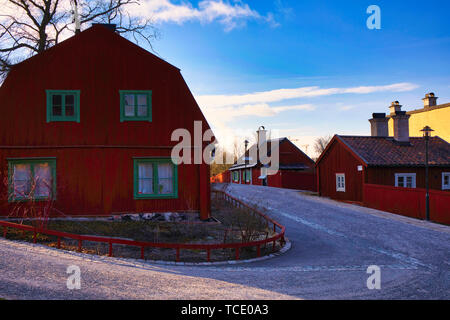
[(135, 105), (445, 180), (32, 179), (63, 105), (405, 180)]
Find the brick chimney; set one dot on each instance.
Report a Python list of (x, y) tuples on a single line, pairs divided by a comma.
[(401, 126), (379, 125), (429, 100), (394, 107)]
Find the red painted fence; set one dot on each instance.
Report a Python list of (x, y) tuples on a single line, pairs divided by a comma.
[(176, 246), (408, 202)]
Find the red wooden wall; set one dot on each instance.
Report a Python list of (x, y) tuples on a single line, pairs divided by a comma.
[(100, 182), (94, 157), (339, 159), (299, 180), (386, 176), (408, 202)]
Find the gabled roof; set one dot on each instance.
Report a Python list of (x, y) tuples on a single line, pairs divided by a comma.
[(385, 151), (239, 164), (96, 31)]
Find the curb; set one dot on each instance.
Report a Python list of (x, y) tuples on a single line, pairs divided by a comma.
[(140, 262), (280, 252)]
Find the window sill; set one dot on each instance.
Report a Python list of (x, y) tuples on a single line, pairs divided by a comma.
[(156, 196)]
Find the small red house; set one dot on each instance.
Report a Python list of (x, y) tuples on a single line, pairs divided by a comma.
[(296, 169), (88, 123), (350, 162)]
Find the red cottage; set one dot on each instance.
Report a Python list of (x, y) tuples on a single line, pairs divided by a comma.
[(351, 163), (296, 169), (88, 123)]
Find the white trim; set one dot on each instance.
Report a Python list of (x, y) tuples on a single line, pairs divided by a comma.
[(445, 186), (405, 176), (340, 182)]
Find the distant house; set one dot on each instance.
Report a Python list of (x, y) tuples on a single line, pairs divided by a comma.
[(350, 162), (296, 169), (437, 116), (88, 123)]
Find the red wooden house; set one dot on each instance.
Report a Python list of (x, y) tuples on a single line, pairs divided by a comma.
[(351, 162), (88, 123), (296, 169)]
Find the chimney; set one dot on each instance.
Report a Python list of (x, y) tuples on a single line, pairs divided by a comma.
[(395, 106), (76, 17), (110, 26), (261, 135), (379, 125), (429, 100), (401, 126)]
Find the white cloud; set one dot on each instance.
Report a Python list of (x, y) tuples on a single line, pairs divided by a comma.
[(230, 15), (230, 113), (214, 101), (222, 110)]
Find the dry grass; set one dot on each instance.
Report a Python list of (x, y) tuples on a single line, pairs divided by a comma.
[(236, 225)]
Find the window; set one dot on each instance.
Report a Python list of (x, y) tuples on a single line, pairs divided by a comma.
[(405, 180), (248, 175), (236, 176), (63, 105), (445, 180), (340, 182), (32, 179), (135, 106), (155, 178)]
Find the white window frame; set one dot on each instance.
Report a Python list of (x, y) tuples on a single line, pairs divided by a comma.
[(340, 182), (445, 186), (405, 176)]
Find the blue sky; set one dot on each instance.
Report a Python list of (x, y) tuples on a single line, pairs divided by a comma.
[(230, 50)]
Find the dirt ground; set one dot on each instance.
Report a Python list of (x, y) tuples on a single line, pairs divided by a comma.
[(234, 225)]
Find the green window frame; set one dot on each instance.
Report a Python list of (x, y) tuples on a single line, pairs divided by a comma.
[(135, 105), (147, 176), (31, 184), (236, 176), (63, 105), (247, 175)]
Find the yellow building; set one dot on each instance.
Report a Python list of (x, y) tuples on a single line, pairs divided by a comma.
[(433, 115)]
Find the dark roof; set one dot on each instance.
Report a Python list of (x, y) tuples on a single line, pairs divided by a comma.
[(382, 151), (239, 164)]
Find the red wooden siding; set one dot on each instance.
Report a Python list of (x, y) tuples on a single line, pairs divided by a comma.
[(101, 181), (386, 176), (408, 202), (93, 177), (299, 180), (339, 159)]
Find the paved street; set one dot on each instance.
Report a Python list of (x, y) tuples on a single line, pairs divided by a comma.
[(332, 246)]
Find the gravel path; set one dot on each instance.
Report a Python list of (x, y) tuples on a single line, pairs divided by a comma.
[(332, 246)]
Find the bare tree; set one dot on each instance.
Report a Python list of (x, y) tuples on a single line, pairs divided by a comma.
[(28, 27), (321, 143)]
